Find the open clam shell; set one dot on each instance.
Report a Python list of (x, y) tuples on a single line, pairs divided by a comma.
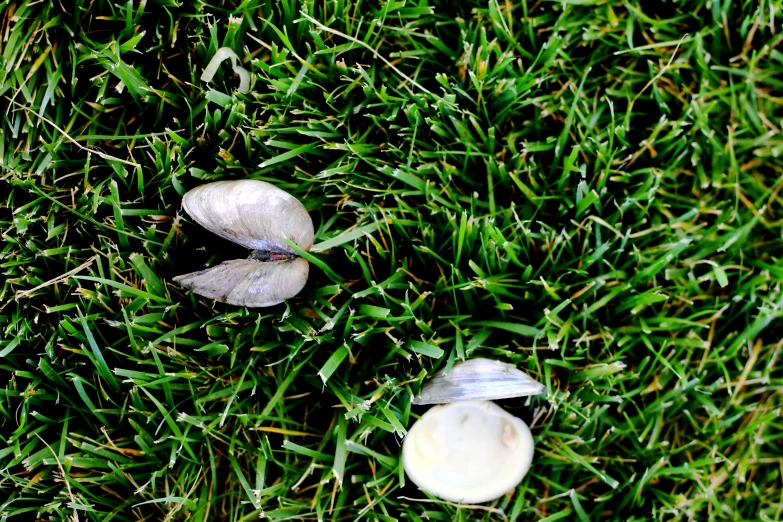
[(259, 216), (479, 379), (467, 452)]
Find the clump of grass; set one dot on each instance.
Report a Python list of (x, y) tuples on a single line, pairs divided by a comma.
[(589, 190)]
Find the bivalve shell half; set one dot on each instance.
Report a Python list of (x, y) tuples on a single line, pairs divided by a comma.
[(251, 213), (246, 282), (467, 452), (479, 379)]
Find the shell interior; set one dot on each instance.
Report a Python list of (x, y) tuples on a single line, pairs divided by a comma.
[(479, 379), (467, 452)]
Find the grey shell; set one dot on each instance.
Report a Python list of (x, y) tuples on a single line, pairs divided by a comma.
[(246, 282), (479, 379), (251, 213)]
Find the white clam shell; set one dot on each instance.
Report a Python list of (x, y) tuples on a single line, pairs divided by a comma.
[(467, 452), (259, 216), (247, 282), (251, 213), (479, 379)]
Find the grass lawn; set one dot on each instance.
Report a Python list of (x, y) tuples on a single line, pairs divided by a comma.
[(589, 189)]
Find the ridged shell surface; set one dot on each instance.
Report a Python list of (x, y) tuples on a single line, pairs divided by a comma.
[(479, 379), (251, 213), (246, 282)]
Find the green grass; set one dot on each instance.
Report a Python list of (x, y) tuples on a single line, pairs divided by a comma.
[(588, 189)]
